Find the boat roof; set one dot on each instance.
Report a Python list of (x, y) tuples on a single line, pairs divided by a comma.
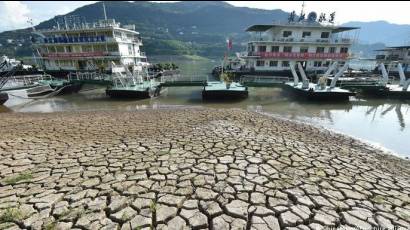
[(393, 48), (263, 28)]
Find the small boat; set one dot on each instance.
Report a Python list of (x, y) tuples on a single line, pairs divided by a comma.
[(49, 86), (218, 90), (44, 91), (383, 89), (133, 85), (319, 91), (3, 98), (137, 91), (41, 90)]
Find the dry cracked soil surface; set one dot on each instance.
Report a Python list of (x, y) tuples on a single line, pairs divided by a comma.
[(192, 169)]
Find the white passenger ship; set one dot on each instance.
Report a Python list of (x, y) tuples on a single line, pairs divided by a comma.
[(392, 56), (89, 47), (315, 43)]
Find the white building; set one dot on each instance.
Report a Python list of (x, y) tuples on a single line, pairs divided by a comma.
[(272, 47), (90, 47)]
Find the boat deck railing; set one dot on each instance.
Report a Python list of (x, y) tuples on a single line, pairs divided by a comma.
[(23, 81), (183, 80), (263, 81), (90, 78)]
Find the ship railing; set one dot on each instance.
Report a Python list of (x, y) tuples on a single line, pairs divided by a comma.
[(24, 80), (303, 40), (87, 76), (182, 78), (263, 79)]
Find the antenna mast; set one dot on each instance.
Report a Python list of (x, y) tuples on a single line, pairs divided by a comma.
[(105, 13), (303, 8)]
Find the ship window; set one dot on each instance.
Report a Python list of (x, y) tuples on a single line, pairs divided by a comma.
[(117, 34), (320, 50), (304, 49), (332, 50), (285, 64), (130, 50), (262, 48), (325, 35), (287, 34), (273, 63), (317, 64), (306, 34), (60, 49), (260, 63), (344, 50), (87, 49), (287, 49), (275, 49), (112, 48)]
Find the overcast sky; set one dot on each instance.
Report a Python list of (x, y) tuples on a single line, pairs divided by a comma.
[(15, 14)]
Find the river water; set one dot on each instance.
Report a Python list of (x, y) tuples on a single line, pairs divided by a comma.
[(383, 123)]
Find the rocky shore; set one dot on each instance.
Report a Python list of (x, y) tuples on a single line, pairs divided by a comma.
[(192, 169)]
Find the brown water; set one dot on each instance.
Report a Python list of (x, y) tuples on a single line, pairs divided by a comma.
[(384, 123)]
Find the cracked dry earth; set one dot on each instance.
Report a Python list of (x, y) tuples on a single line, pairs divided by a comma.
[(192, 169)]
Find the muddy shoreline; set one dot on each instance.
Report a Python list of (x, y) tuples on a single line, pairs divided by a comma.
[(192, 169)]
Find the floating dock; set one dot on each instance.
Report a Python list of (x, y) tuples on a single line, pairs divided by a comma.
[(312, 92), (217, 90), (382, 88), (320, 91), (139, 91)]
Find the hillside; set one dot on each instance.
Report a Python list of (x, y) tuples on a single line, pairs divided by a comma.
[(190, 28), (383, 32), (197, 28)]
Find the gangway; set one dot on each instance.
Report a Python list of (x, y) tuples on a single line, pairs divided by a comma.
[(178, 80), (263, 81), (93, 78)]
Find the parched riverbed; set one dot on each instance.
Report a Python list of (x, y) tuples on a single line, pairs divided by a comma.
[(192, 169)]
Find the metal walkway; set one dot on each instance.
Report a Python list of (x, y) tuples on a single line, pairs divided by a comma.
[(263, 81)]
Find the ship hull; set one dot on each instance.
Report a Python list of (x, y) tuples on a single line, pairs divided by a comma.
[(3, 98), (133, 94), (224, 95), (318, 96)]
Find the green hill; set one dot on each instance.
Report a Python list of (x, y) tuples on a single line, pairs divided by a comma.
[(191, 28)]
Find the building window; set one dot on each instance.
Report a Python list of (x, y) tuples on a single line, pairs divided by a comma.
[(262, 48), (68, 49), (287, 49), (285, 64), (332, 50), (273, 63), (306, 34), (275, 49), (408, 54), (260, 63), (317, 64), (304, 49), (320, 50), (326, 64), (287, 34), (325, 35), (344, 50)]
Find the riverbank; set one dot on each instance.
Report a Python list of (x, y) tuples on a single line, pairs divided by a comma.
[(192, 168)]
